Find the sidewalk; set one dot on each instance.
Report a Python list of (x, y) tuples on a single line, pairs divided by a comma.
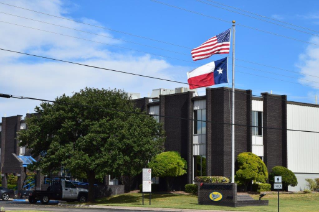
[(139, 208)]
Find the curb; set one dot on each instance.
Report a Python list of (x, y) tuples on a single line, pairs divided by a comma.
[(136, 208)]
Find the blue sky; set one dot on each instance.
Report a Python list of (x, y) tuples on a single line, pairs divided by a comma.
[(151, 38)]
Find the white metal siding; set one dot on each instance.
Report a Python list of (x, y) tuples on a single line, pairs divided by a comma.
[(303, 147), (257, 105)]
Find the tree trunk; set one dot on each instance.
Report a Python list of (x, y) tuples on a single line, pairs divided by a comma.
[(91, 180)]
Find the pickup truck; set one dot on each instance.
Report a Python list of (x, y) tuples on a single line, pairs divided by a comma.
[(61, 190)]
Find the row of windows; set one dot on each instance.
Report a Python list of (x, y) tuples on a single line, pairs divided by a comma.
[(200, 122)]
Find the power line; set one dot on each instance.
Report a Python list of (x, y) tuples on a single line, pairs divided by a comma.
[(82, 31), (262, 16), (142, 51), (113, 70), (92, 41), (147, 38), (164, 116), (238, 24), (210, 4), (93, 25)]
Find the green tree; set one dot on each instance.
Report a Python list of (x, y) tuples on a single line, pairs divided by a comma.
[(96, 132), (250, 168), (288, 177), (168, 164)]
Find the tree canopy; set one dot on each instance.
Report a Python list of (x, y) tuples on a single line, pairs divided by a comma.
[(94, 131), (168, 164), (250, 168)]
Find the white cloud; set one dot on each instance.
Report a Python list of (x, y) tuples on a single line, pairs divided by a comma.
[(25, 76), (309, 65)]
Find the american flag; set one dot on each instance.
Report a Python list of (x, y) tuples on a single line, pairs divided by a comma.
[(218, 44)]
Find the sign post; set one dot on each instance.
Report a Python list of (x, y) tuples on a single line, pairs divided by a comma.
[(278, 186), (147, 184)]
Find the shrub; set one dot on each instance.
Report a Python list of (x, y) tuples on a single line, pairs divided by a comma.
[(191, 188), (260, 187), (250, 168), (288, 177), (12, 179), (211, 179), (317, 181), (311, 184), (13, 187), (306, 191)]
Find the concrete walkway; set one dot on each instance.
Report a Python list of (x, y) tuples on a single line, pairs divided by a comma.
[(139, 208)]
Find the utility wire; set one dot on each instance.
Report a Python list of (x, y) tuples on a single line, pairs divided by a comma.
[(164, 116), (82, 31), (113, 70), (84, 39), (237, 24), (147, 38), (212, 4), (139, 50), (262, 16), (93, 25)]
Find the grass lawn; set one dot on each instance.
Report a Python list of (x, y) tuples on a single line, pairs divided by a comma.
[(288, 202)]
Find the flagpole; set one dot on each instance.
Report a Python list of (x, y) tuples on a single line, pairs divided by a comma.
[(233, 110)]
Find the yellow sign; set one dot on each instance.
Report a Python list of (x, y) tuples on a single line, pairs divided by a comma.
[(215, 196)]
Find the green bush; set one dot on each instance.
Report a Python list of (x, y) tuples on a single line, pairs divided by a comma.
[(250, 168), (191, 188), (260, 187), (211, 179), (311, 184), (288, 177), (306, 191), (317, 181)]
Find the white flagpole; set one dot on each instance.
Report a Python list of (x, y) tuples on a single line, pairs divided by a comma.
[(233, 110)]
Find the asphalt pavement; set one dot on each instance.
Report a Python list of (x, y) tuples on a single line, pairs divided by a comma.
[(63, 206)]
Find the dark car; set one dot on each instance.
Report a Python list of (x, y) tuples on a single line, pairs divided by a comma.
[(5, 193)]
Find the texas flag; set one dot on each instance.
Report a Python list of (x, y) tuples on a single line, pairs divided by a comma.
[(209, 74)]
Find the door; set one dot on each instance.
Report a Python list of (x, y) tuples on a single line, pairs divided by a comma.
[(70, 191)]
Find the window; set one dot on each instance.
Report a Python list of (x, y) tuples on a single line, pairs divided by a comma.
[(200, 121), (199, 166), (257, 123), (69, 185)]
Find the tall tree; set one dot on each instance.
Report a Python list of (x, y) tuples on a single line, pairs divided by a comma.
[(96, 132)]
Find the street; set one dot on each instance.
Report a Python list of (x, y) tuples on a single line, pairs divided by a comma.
[(24, 205)]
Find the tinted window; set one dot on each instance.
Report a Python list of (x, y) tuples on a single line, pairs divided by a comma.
[(69, 185)]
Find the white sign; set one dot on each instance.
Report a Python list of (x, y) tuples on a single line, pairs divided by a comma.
[(147, 180), (147, 186), (147, 174), (278, 186), (278, 179)]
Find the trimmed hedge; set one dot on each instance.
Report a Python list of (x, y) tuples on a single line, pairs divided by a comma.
[(12, 187), (260, 187), (191, 188), (211, 179), (288, 177)]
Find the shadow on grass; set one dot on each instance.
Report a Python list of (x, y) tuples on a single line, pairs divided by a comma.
[(133, 199)]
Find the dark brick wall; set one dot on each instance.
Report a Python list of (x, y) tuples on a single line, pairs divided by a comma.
[(10, 127), (219, 146), (178, 112), (141, 103), (275, 140)]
